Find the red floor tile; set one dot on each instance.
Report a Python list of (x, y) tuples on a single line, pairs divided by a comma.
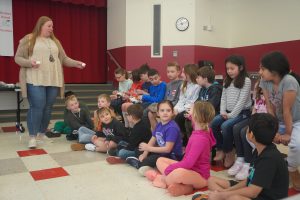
[(9, 129), (32, 152), (48, 173), (292, 192)]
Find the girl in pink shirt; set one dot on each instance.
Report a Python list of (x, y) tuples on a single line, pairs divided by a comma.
[(193, 170)]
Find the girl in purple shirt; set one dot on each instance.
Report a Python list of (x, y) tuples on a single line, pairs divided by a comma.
[(193, 170)]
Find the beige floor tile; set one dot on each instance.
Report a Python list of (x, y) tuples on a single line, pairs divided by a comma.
[(39, 162), (12, 166), (19, 186)]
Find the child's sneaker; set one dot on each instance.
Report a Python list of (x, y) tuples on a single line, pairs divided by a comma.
[(114, 160), (51, 134), (243, 173), (133, 161), (77, 147), (235, 168), (75, 132), (90, 147), (200, 196), (144, 169)]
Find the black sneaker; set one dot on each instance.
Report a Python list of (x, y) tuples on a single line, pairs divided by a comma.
[(51, 134), (133, 161), (71, 137)]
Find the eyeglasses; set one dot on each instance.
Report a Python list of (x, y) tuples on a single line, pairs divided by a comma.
[(118, 77)]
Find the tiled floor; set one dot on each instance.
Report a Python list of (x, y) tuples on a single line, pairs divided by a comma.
[(53, 171)]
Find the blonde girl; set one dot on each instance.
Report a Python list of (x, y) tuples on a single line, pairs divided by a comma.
[(193, 170), (112, 133)]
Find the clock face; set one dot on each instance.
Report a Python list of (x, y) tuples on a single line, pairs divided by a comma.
[(182, 24)]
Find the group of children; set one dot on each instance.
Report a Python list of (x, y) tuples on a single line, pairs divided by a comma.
[(196, 112)]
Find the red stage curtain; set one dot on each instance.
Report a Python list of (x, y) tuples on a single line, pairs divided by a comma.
[(97, 3), (81, 30)]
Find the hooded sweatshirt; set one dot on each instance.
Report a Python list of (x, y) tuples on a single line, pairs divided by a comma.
[(197, 154)]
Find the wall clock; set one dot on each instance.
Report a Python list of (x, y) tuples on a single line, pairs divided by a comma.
[(182, 24)]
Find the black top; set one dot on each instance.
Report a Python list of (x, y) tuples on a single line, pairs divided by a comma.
[(212, 94), (270, 172), (76, 120), (139, 133), (113, 131)]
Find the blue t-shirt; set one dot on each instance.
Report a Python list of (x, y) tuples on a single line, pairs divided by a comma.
[(169, 132)]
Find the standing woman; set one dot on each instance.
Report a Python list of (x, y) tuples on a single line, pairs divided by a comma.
[(41, 57), (282, 94)]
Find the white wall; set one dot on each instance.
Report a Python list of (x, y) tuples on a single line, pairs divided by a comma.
[(213, 13), (263, 21), (116, 23), (235, 23), (139, 20)]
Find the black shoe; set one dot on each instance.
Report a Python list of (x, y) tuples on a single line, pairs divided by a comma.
[(133, 161), (51, 134), (71, 137)]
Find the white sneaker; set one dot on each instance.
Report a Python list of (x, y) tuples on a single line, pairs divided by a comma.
[(236, 167), (90, 147), (243, 173), (32, 143)]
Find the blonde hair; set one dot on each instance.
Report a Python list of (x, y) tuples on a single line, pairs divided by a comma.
[(103, 110), (70, 98), (96, 116), (104, 96), (203, 113), (36, 32)]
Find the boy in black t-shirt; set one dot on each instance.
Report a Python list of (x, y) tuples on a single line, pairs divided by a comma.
[(139, 133), (268, 177)]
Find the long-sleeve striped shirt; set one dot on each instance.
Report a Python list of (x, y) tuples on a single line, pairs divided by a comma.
[(187, 98), (234, 100)]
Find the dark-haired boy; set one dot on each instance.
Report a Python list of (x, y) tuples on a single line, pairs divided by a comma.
[(139, 133), (268, 177), (210, 91), (143, 72), (156, 91)]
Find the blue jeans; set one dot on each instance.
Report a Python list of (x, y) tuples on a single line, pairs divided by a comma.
[(223, 130), (85, 135), (41, 100), (124, 153)]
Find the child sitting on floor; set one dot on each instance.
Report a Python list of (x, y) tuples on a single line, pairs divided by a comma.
[(139, 133), (76, 116), (165, 141), (85, 134), (193, 170), (268, 177), (113, 131)]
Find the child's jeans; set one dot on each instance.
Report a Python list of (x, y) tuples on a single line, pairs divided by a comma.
[(294, 148), (122, 152), (85, 134), (223, 130)]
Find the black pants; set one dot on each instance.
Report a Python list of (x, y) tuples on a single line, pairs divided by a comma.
[(180, 120)]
